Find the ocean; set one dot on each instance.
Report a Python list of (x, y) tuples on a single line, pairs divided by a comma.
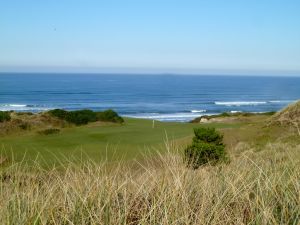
[(160, 97)]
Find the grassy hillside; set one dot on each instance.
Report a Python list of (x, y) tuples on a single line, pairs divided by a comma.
[(259, 184), (288, 117), (112, 141), (96, 140)]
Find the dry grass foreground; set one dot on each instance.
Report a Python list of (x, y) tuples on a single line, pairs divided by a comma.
[(254, 188)]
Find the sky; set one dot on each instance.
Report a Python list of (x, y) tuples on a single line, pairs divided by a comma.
[(151, 36)]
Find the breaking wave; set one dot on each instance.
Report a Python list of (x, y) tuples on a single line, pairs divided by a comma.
[(198, 111), (23, 107), (241, 103)]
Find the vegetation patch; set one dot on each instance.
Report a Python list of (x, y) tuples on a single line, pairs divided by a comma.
[(59, 113), (4, 116), (109, 116), (85, 116), (207, 147), (81, 117)]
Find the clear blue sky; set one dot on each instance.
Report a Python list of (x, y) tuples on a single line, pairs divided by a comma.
[(201, 36)]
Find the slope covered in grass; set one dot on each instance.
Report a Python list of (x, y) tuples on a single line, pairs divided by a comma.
[(289, 116), (258, 185), (96, 140), (129, 140), (254, 188)]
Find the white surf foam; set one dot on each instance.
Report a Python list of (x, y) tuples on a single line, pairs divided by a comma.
[(239, 103), (16, 105), (22, 107), (282, 101), (163, 116), (181, 117), (198, 111)]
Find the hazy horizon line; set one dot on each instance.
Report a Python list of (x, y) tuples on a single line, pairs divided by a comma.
[(146, 73), (151, 71)]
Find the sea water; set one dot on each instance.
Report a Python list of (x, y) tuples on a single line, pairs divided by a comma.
[(159, 97)]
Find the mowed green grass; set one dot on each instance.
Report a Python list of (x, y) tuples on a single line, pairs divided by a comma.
[(98, 141)]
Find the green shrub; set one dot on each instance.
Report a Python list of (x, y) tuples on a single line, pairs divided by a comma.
[(207, 135), (201, 153), (109, 116), (77, 117), (49, 131), (207, 147), (4, 116), (81, 117), (59, 113)]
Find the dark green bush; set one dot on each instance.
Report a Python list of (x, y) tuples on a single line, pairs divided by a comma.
[(49, 131), (207, 147), (109, 116), (80, 117), (4, 116), (59, 113), (207, 135)]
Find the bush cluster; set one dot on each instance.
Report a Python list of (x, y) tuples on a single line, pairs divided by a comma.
[(80, 117), (4, 116), (59, 113), (207, 147), (109, 116)]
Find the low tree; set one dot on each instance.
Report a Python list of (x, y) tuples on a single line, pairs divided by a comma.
[(207, 147)]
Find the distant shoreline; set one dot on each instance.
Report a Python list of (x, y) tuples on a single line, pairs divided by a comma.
[(204, 117)]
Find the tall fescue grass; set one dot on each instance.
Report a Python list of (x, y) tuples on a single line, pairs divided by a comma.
[(254, 188)]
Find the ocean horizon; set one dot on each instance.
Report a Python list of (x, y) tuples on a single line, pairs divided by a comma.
[(165, 97)]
